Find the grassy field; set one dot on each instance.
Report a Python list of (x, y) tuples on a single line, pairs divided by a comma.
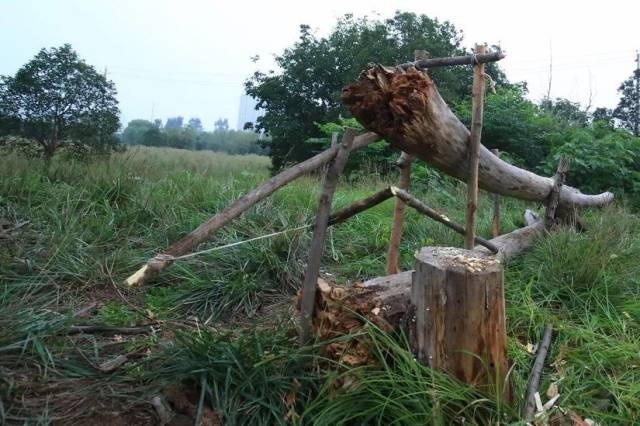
[(222, 333)]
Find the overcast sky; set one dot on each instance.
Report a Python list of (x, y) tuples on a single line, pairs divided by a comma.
[(191, 57)]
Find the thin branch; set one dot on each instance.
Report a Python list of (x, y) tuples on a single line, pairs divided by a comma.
[(534, 377)]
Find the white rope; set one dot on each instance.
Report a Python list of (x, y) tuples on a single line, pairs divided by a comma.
[(169, 258)]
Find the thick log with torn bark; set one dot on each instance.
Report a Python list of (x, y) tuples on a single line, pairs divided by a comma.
[(386, 300), (405, 108)]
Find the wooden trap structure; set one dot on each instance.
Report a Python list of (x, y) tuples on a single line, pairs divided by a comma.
[(452, 305)]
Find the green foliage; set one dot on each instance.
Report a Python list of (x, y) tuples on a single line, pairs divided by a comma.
[(565, 111), (116, 314), (627, 110), (143, 132), (315, 69), (248, 376), (89, 224), (58, 101), (601, 158), (512, 124)]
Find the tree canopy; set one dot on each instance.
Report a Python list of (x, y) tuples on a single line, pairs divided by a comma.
[(315, 69), (628, 109), (59, 101)]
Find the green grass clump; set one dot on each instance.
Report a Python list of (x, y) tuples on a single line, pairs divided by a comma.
[(91, 225)]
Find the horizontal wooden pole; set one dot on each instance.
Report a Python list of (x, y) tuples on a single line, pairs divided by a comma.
[(455, 60), (413, 202), (360, 206)]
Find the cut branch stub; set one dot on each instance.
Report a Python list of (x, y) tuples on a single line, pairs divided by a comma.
[(405, 108)]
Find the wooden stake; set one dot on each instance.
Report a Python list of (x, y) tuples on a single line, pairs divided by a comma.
[(534, 378), (404, 163), (554, 195), (495, 224), (154, 266), (459, 307), (474, 148), (317, 244)]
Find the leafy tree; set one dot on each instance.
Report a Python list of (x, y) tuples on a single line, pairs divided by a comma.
[(604, 116), (136, 131), (221, 124), (315, 69), (195, 124), (513, 124), (174, 123), (601, 159), (628, 109), (59, 101), (566, 111)]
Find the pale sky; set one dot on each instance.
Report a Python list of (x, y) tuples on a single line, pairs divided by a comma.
[(191, 57)]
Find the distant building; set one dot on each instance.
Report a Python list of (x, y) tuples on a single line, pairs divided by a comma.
[(247, 112)]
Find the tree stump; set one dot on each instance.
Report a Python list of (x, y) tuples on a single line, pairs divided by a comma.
[(458, 300)]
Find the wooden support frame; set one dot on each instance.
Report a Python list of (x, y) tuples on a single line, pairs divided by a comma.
[(474, 148), (495, 221), (319, 233), (404, 163), (554, 196), (455, 60), (160, 262), (413, 202)]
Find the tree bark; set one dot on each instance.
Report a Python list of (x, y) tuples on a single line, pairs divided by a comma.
[(495, 221), (405, 108), (404, 162), (459, 314), (534, 378), (477, 113), (154, 266), (319, 232), (386, 300)]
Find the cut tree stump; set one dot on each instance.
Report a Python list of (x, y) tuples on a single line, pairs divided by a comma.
[(386, 301), (458, 301)]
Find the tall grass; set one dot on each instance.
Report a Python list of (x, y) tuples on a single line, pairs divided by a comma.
[(93, 223)]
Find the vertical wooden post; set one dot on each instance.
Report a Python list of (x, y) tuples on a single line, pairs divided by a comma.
[(404, 163), (495, 224), (319, 232), (334, 139), (554, 195), (460, 317), (474, 147)]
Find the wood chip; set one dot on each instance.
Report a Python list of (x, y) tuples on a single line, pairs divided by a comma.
[(113, 364)]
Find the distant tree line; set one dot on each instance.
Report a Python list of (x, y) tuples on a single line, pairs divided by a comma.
[(175, 134)]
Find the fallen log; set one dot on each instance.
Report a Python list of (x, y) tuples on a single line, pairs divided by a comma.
[(406, 109), (154, 266), (386, 301)]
